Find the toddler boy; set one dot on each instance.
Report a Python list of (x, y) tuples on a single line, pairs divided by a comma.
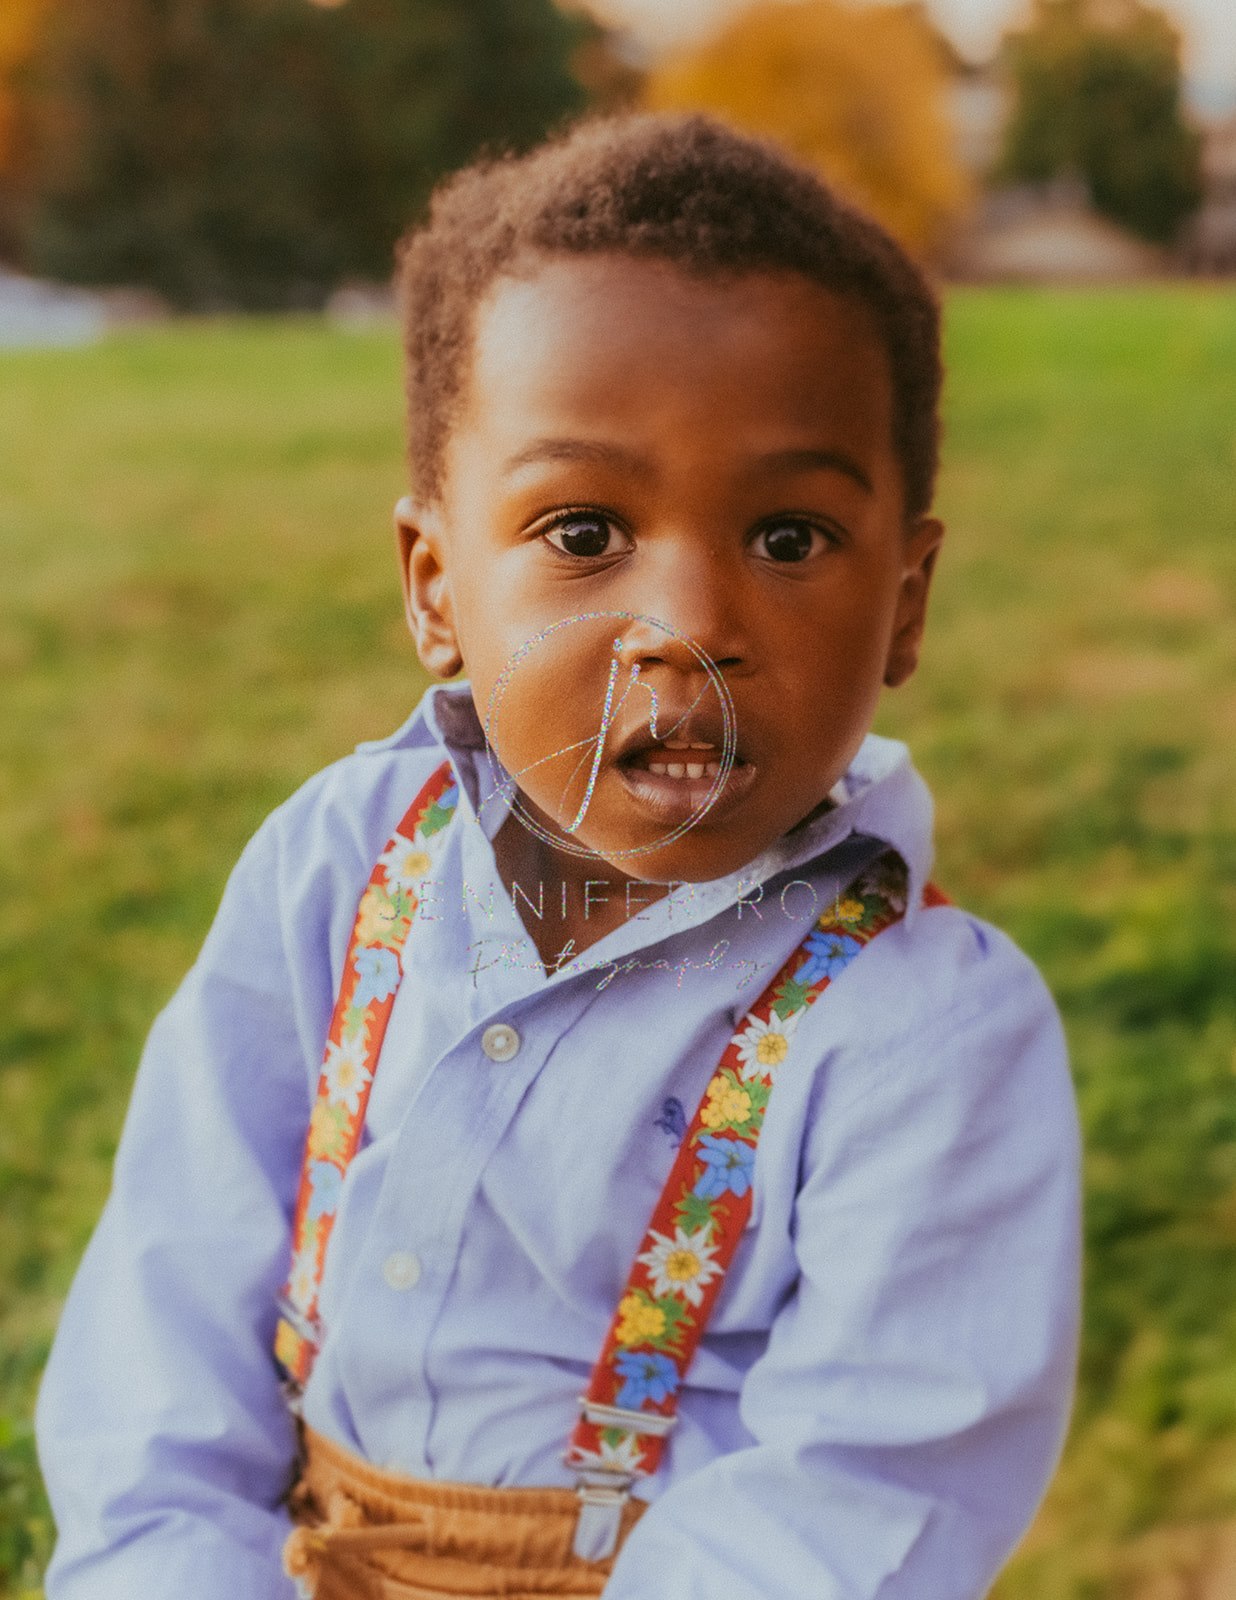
[(648, 1021)]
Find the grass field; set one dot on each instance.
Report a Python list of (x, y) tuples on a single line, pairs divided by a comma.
[(199, 608)]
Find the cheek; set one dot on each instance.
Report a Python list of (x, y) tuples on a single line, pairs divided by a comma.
[(832, 663), (542, 701)]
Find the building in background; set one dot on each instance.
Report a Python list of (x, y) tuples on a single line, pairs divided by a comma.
[(978, 104), (1210, 241), (1049, 234)]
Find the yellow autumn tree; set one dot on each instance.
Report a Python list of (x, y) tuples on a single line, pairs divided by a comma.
[(859, 93), (19, 21)]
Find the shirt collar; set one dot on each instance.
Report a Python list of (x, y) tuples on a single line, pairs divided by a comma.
[(880, 795)]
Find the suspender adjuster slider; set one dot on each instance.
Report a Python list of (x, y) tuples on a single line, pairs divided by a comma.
[(651, 1423), (309, 1328)]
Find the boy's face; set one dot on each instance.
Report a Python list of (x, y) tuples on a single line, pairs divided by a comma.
[(700, 470)]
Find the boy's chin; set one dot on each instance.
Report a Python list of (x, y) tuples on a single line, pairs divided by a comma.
[(692, 858)]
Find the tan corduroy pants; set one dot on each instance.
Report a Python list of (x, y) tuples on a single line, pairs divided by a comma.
[(365, 1534)]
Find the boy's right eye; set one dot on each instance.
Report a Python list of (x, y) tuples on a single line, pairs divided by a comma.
[(582, 533)]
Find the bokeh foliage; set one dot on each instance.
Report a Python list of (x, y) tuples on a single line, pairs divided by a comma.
[(1098, 96), (254, 153), (201, 608), (20, 22), (857, 93)]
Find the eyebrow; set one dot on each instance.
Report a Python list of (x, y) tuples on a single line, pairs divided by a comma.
[(806, 458), (816, 460), (577, 450)]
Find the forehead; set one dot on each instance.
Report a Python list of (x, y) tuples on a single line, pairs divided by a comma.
[(615, 342)]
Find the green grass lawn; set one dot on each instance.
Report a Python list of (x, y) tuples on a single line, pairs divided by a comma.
[(200, 608)]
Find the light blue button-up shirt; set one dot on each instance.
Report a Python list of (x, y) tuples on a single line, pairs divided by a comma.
[(881, 1395)]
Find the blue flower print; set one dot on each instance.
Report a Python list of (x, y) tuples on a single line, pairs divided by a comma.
[(728, 1165), (377, 975), (830, 953), (647, 1375), (325, 1181)]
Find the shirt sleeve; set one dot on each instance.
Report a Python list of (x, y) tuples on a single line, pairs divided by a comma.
[(911, 1403), (163, 1436)]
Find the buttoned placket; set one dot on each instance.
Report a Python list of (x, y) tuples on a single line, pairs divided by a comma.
[(457, 1105), (455, 1111)]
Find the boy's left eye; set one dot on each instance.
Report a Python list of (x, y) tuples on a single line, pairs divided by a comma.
[(791, 539), (583, 533)]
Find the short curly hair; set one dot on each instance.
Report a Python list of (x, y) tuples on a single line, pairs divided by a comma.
[(680, 188)]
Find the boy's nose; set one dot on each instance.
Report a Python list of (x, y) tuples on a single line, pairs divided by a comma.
[(690, 616)]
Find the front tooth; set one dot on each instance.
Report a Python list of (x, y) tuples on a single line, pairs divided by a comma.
[(711, 768), (695, 769), (675, 769), (677, 744), (704, 746), (658, 767)]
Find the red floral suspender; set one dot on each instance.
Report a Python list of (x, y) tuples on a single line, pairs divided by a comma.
[(677, 1274), (371, 976)]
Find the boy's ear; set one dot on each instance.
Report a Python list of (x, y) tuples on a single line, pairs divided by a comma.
[(426, 590), (921, 550)]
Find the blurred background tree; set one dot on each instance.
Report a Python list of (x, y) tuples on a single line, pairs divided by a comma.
[(859, 93), (1097, 95), (19, 29), (253, 153)]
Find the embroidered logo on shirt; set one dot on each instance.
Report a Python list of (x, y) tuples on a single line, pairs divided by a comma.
[(673, 1119)]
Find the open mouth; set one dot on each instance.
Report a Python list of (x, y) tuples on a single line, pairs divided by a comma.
[(679, 779), (677, 758)]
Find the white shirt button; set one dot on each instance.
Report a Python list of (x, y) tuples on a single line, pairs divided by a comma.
[(401, 1270), (500, 1041)]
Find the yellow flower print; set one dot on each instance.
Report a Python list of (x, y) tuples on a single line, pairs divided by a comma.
[(726, 1103), (638, 1320), (327, 1127), (377, 921), (287, 1346), (849, 911)]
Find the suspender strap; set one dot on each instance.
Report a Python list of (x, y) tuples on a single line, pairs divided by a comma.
[(630, 1404), (371, 977)]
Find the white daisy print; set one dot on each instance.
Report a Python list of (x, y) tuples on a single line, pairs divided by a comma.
[(763, 1046), (682, 1265), (621, 1457), (405, 863), (303, 1281), (346, 1073)]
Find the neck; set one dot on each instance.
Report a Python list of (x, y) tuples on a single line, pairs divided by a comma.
[(565, 901)]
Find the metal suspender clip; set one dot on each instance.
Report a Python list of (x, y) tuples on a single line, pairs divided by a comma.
[(605, 1488), (310, 1330), (293, 1397), (602, 1497)]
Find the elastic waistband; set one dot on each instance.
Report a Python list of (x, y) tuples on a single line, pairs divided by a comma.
[(368, 1534)]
